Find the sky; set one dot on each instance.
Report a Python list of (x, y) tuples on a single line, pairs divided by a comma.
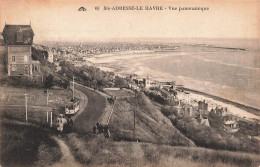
[(61, 20)]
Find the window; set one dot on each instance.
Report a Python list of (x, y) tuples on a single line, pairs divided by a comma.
[(26, 69), (13, 58), (25, 58), (19, 36)]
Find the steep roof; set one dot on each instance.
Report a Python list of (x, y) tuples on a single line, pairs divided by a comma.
[(10, 34)]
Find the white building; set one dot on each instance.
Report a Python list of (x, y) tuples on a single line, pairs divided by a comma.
[(147, 82), (50, 56)]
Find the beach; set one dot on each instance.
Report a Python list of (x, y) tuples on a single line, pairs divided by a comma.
[(230, 75)]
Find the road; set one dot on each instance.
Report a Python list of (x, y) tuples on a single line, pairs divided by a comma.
[(93, 111), (92, 106), (83, 103)]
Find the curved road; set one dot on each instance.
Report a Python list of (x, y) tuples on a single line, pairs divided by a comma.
[(94, 109), (92, 106)]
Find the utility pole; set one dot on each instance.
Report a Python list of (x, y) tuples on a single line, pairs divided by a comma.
[(135, 100), (47, 116), (73, 88), (47, 97), (134, 124), (51, 119), (26, 116)]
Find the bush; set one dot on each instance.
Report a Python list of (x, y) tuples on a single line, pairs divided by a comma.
[(120, 82), (48, 81), (216, 138), (215, 120), (157, 98), (89, 76), (166, 111), (19, 81)]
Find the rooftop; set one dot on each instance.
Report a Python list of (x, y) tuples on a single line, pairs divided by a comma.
[(18, 34)]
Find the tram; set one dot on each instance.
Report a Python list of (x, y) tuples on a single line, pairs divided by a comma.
[(72, 108)]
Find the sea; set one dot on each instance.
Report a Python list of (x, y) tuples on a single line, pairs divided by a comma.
[(228, 68)]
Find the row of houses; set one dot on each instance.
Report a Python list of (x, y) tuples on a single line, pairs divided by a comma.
[(201, 111)]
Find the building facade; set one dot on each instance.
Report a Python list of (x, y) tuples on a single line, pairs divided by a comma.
[(18, 40), (50, 56)]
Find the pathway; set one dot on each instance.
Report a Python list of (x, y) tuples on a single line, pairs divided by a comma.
[(67, 159)]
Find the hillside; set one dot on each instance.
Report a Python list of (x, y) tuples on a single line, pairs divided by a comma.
[(157, 142), (151, 125), (98, 151), (28, 144)]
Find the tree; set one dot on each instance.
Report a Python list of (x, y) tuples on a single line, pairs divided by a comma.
[(66, 84), (48, 81), (120, 82)]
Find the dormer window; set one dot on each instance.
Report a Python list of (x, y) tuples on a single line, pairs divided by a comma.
[(19, 35)]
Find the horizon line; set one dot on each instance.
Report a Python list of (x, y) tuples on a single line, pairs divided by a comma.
[(139, 38)]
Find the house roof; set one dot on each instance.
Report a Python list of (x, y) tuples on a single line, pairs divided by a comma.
[(10, 34), (229, 122)]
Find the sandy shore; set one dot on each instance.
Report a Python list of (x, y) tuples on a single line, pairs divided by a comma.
[(115, 62)]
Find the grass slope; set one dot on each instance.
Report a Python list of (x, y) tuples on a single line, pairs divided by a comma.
[(151, 125), (98, 151), (26, 145)]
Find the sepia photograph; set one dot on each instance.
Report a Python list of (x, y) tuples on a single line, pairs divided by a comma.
[(131, 83)]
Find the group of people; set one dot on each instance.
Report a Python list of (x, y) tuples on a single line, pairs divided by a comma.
[(111, 100), (99, 128), (64, 124)]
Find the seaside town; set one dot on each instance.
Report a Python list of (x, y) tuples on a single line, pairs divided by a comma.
[(77, 55), (62, 73)]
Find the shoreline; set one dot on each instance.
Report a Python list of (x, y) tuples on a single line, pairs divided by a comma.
[(244, 107), (105, 66)]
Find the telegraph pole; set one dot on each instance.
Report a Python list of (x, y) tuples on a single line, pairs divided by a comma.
[(47, 97), (135, 100), (73, 88), (47, 116), (134, 124), (51, 119), (26, 116)]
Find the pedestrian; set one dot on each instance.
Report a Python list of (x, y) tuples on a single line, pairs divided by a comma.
[(95, 129)]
